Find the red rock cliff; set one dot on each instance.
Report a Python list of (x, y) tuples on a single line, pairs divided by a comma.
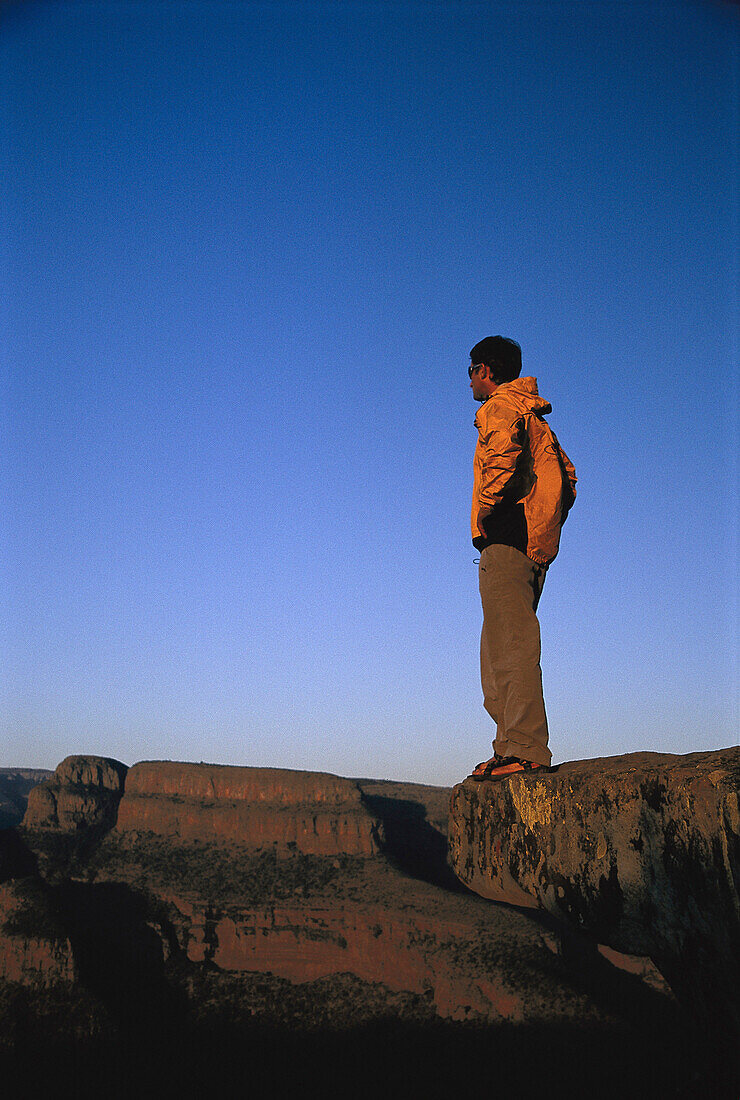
[(640, 851), (317, 813), (84, 791)]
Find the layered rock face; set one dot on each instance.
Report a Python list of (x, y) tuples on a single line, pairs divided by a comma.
[(641, 851), (316, 813), (408, 943), (83, 792)]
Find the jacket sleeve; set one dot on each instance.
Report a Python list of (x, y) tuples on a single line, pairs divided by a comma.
[(502, 447)]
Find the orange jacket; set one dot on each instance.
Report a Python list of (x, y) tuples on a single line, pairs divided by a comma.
[(520, 473)]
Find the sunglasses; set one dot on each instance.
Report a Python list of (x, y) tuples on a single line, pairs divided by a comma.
[(472, 367)]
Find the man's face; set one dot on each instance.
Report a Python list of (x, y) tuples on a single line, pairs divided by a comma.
[(478, 373)]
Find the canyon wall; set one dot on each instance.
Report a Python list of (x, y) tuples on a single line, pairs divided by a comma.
[(316, 813), (313, 812), (190, 896), (298, 875)]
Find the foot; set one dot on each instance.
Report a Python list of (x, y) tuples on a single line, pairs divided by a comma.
[(499, 766)]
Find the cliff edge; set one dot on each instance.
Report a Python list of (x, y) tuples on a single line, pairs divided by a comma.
[(641, 852)]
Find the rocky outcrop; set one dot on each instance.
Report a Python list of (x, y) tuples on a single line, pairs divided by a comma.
[(312, 812), (83, 792), (642, 852), (15, 784)]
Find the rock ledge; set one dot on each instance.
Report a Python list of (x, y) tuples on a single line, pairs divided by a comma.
[(642, 852)]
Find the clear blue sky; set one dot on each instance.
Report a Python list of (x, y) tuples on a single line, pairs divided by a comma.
[(245, 251)]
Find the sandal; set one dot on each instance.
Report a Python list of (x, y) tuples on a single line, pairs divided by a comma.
[(499, 766)]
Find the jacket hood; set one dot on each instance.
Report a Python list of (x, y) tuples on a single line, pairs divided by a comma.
[(522, 395)]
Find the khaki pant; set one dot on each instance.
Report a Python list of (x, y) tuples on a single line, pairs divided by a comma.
[(510, 588)]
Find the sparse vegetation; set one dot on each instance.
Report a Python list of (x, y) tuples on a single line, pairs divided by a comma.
[(226, 875), (34, 916)]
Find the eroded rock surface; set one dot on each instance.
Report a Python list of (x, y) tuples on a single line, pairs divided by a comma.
[(315, 813), (83, 792), (640, 851)]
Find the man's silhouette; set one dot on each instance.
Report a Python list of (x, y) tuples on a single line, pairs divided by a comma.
[(524, 486)]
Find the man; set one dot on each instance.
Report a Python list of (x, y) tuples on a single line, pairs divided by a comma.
[(524, 486)]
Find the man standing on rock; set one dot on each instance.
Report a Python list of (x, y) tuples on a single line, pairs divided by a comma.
[(524, 486)]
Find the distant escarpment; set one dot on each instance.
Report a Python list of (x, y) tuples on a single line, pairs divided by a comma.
[(316, 813), (15, 784), (640, 852), (177, 899)]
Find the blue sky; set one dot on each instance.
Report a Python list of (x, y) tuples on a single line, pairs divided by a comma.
[(245, 250)]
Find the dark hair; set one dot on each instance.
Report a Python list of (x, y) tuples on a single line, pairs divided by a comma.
[(502, 355)]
